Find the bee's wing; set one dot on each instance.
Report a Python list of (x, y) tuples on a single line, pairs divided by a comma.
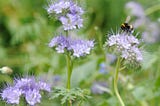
[(127, 19)]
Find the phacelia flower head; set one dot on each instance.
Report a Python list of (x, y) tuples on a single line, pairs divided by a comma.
[(126, 45), (77, 47), (44, 86), (28, 87), (68, 13), (26, 84), (11, 95), (33, 97), (81, 47), (151, 32)]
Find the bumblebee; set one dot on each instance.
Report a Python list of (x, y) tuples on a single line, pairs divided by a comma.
[(126, 27)]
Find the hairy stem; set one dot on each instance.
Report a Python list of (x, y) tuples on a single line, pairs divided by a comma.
[(69, 72), (115, 82)]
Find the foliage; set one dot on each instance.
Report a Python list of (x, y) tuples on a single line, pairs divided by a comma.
[(72, 95)]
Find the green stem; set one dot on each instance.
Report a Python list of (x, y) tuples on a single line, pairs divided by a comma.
[(69, 71), (152, 9), (122, 68), (115, 82)]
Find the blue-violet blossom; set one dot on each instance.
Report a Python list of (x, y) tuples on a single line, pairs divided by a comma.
[(68, 13), (11, 95), (32, 96), (126, 45), (135, 9), (28, 87), (77, 47)]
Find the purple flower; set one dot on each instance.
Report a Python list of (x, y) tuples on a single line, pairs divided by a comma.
[(44, 86), (71, 21), (59, 7), (122, 41), (132, 54), (11, 95), (126, 45), (77, 47), (151, 33), (139, 22), (81, 47), (135, 9), (32, 97), (150, 29), (68, 13), (28, 87), (76, 10), (60, 42), (26, 84)]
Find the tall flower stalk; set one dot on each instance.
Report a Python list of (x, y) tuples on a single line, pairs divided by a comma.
[(116, 81), (69, 70), (69, 73), (127, 48), (69, 67), (70, 15)]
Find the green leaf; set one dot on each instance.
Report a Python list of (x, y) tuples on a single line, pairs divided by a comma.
[(75, 94)]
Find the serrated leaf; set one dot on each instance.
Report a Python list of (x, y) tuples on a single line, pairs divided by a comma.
[(74, 94)]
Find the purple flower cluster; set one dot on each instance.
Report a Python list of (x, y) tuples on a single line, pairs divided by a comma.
[(68, 13), (126, 45), (77, 47), (151, 32), (135, 9), (28, 87)]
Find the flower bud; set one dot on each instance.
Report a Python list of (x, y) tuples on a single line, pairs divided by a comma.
[(6, 70)]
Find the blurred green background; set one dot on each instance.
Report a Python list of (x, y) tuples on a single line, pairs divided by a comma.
[(26, 29)]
